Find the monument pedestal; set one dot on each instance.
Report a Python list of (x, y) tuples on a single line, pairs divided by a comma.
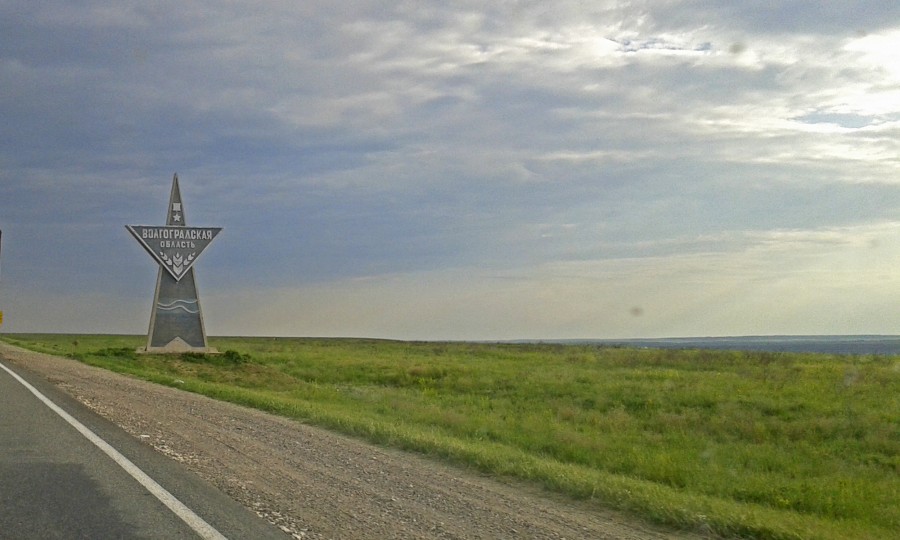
[(176, 324)]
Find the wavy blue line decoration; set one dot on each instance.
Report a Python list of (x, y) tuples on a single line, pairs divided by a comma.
[(178, 304), (160, 304)]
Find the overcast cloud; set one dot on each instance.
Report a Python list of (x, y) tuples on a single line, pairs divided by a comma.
[(461, 170)]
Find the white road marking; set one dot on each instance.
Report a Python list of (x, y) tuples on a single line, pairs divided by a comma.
[(195, 522)]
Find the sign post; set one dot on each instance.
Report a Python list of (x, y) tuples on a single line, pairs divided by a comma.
[(1, 243), (176, 322)]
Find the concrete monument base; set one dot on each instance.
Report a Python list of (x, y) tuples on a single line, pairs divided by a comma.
[(177, 346)]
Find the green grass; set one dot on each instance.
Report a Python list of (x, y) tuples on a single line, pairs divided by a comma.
[(759, 445)]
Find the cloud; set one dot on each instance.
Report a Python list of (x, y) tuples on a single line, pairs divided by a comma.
[(762, 279), (419, 152)]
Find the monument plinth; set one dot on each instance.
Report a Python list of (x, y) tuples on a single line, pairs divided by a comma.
[(176, 322)]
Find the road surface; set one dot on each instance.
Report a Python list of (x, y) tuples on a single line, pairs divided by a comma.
[(55, 482)]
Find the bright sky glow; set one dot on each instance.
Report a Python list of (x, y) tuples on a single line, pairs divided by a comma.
[(457, 170)]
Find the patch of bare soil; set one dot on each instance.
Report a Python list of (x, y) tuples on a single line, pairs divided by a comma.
[(313, 483)]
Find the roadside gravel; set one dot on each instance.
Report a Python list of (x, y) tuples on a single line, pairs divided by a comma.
[(315, 484)]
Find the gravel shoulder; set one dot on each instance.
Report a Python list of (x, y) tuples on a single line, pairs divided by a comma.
[(316, 484)]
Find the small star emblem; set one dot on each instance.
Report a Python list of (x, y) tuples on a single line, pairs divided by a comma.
[(176, 218)]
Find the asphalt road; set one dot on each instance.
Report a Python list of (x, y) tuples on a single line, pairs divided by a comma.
[(55, 483)]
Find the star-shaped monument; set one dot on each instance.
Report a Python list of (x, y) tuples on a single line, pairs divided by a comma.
[(176, 324)]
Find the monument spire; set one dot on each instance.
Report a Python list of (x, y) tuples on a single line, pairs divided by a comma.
[(175, 218)]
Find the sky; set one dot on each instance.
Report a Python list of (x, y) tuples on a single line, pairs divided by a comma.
[(457, 170)]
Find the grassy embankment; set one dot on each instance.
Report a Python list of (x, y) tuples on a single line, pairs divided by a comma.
[(757, 445)]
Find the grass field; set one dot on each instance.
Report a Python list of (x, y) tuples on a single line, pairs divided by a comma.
[(759, 445)]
